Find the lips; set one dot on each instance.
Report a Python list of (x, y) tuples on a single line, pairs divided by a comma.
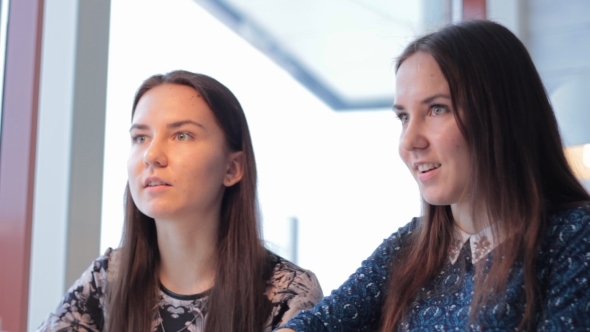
[(154, 182), (425, 167)]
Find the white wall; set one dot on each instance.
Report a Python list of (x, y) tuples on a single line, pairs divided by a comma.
[(338, 173)]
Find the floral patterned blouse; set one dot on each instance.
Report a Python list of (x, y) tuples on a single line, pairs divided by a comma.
[(563, 271), (290, 290)]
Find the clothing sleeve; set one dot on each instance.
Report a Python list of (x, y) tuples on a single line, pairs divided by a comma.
[(356, 305), (305, 291), (566, 305), (81, 309)]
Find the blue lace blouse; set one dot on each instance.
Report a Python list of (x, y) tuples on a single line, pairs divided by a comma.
[(563, 269)]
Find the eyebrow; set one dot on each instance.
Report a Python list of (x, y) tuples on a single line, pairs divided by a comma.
[(425, 101), (182, 123), (172, 125)]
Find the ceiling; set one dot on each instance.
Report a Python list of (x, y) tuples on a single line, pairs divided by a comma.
[(341, 50)]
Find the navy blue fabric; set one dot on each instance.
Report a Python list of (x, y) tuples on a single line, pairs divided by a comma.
[(563, 269)]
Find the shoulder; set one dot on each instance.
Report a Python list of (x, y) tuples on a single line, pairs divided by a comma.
[(567, 225), (566, 242), (403, 233), (106, 260), (563, 269), (290, 280), (392, 246), (99, 273), (290, 289), (110, 261), (576, 215)]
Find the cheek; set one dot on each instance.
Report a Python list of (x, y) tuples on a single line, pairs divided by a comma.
[(205, 170), (134, 163), (462, 157), (131, 167), (404, 155), (457, 143), (462, 148)]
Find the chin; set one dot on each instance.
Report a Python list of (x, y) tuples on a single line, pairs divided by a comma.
[(153, 212), (443, 195), (437, 200)]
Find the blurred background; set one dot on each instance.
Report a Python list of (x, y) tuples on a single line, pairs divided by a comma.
[(315, 79)]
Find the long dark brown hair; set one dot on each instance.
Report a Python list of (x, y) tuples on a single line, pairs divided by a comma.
[(236, 301), (519, 171)]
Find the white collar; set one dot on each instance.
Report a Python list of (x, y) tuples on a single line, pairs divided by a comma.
[(481, 244)]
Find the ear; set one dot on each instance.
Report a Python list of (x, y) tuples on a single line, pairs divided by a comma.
[(235, 168)]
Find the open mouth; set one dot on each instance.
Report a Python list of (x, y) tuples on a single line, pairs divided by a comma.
[(156, 183), (423, 168)]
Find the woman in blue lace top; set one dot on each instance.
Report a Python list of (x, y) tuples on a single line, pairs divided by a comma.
[(503, 242)]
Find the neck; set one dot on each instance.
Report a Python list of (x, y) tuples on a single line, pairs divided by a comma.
[(188, 254), (463, 218)]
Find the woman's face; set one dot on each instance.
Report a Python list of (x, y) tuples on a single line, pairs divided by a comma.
[(431, 144), (178, 164)]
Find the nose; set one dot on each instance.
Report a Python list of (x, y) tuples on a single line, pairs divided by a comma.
[(413, 136), (155, 154)]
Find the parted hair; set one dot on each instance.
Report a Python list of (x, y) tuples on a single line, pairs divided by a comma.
[(237, 301), (519, 173)]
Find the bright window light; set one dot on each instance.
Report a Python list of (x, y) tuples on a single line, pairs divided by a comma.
[(337, 173)]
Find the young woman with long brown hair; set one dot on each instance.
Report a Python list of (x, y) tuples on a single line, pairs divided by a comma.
[(191, 257), (503, 242)]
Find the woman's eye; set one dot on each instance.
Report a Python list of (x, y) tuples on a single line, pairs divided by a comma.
[(183, 136), (438, 110), (402, 117), (138, 139)]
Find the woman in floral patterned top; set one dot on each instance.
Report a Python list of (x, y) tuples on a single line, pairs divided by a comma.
[(504, 240), (191, 257)]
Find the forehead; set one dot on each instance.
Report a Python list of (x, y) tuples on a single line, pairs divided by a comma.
[(171, 100), (419, 76)]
